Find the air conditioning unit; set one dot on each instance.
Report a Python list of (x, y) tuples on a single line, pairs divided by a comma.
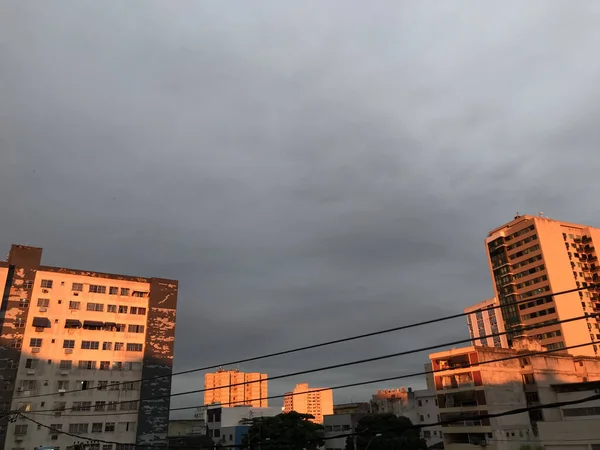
[(45, 291), (58, 413), (30, 371), (64, 372), (68, 351), (54, 437), (18, 438), (43, 309), (19, 389), (35, 350), (76, 294), (62, 391)]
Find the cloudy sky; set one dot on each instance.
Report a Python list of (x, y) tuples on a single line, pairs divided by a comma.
[(307, 170)]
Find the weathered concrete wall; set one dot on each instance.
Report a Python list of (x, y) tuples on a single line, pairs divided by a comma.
[(153, 418)]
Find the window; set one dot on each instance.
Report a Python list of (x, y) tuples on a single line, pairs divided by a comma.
[(130, 386), (19, 323), (137, 310), (62, 385), (100, 406), (109, 426), (140, 294), (132, 347), (125, 291), (68, 343), (426, 434), (28, 285), (59, 406), (126, 446), (43, 302), (129, 406), (35, 342), (90, 345), (136, 328), (77, 287), (78, 428), (111, 308), (133, 310), (83, 385), (24, 407), (87, 365), (74, 305), (112, 406), (107, 446), (102, 385), (122, 309), (95, 307), (65, 364), (104, 365), (97, 427), (421, 418), (21, 429), (55, 427), (82, 406), (107, 346), (119, 346), (528, 378), (113, 290), (24, 303), (16, 343), (121, 327), (126, 426), (47, 284), (32, 363), (27, 385), (97, 289), (420, 403), (117, 365)]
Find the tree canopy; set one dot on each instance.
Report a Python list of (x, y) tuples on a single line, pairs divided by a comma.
[(385, 432), (287, 431)]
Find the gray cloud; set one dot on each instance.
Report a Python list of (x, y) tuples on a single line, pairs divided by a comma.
[(307, 171)]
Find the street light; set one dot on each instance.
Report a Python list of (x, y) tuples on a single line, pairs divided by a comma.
[(372, 439)]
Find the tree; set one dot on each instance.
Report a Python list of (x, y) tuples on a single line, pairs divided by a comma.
[(385, 432), (287, 431)]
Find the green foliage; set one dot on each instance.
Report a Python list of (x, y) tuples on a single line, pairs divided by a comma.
[(385, 432), (288, 431)]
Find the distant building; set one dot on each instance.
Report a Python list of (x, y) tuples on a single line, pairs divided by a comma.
[(484, 321), (531, 257), (228, 426), (465, 388), (339, 424), (352, 408), (68, 330), (230, 388), (306, 400)]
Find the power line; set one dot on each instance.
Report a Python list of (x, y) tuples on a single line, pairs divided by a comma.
[(334, 366), (336, 341)]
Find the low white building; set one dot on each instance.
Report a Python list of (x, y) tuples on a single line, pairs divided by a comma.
[(227, 426)]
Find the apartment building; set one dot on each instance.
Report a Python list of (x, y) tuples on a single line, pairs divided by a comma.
[(534, 257), (317, 402), (230, 388), (471, 381), (484, 319), (76, 344)]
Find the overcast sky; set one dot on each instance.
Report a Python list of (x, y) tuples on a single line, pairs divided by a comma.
[(307, 170)]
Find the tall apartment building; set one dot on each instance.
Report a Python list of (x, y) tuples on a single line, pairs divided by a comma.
[(471, 381), (78, 343), (306, 400), (533, 257), (234, 388), (485, 319)]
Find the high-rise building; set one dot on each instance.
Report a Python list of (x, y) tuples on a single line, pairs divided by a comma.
[(533, 257), (317, 402), (485, 319), (234, 388), (78, 344)]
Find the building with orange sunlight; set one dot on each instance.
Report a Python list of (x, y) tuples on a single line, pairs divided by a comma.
[(484, 319), (77, 344), (532, 257), (317, 402), (470, 381), (234, 388)]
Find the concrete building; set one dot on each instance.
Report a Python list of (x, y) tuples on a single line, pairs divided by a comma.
[(227, 426), (484, 319), (531, 257), (465, 389), (230, 388), (306, 400), (352, 408), (78, 342)]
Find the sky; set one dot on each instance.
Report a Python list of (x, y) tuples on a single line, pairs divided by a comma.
[(307, 170)]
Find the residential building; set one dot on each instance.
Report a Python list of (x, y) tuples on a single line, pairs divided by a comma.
[(337, 425), (234, 388), (227, 426), (352, 408), (485, 319), (78, 343), (317, 402), (534, 257), (471, 381)]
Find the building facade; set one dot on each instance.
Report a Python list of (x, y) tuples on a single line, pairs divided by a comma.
[(230, 388), (228, 426), (533, 257), (485, 319), (466, 388), (77, 343), (317, 402)]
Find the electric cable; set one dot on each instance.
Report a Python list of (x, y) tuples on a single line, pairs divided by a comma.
[(339, 341)]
